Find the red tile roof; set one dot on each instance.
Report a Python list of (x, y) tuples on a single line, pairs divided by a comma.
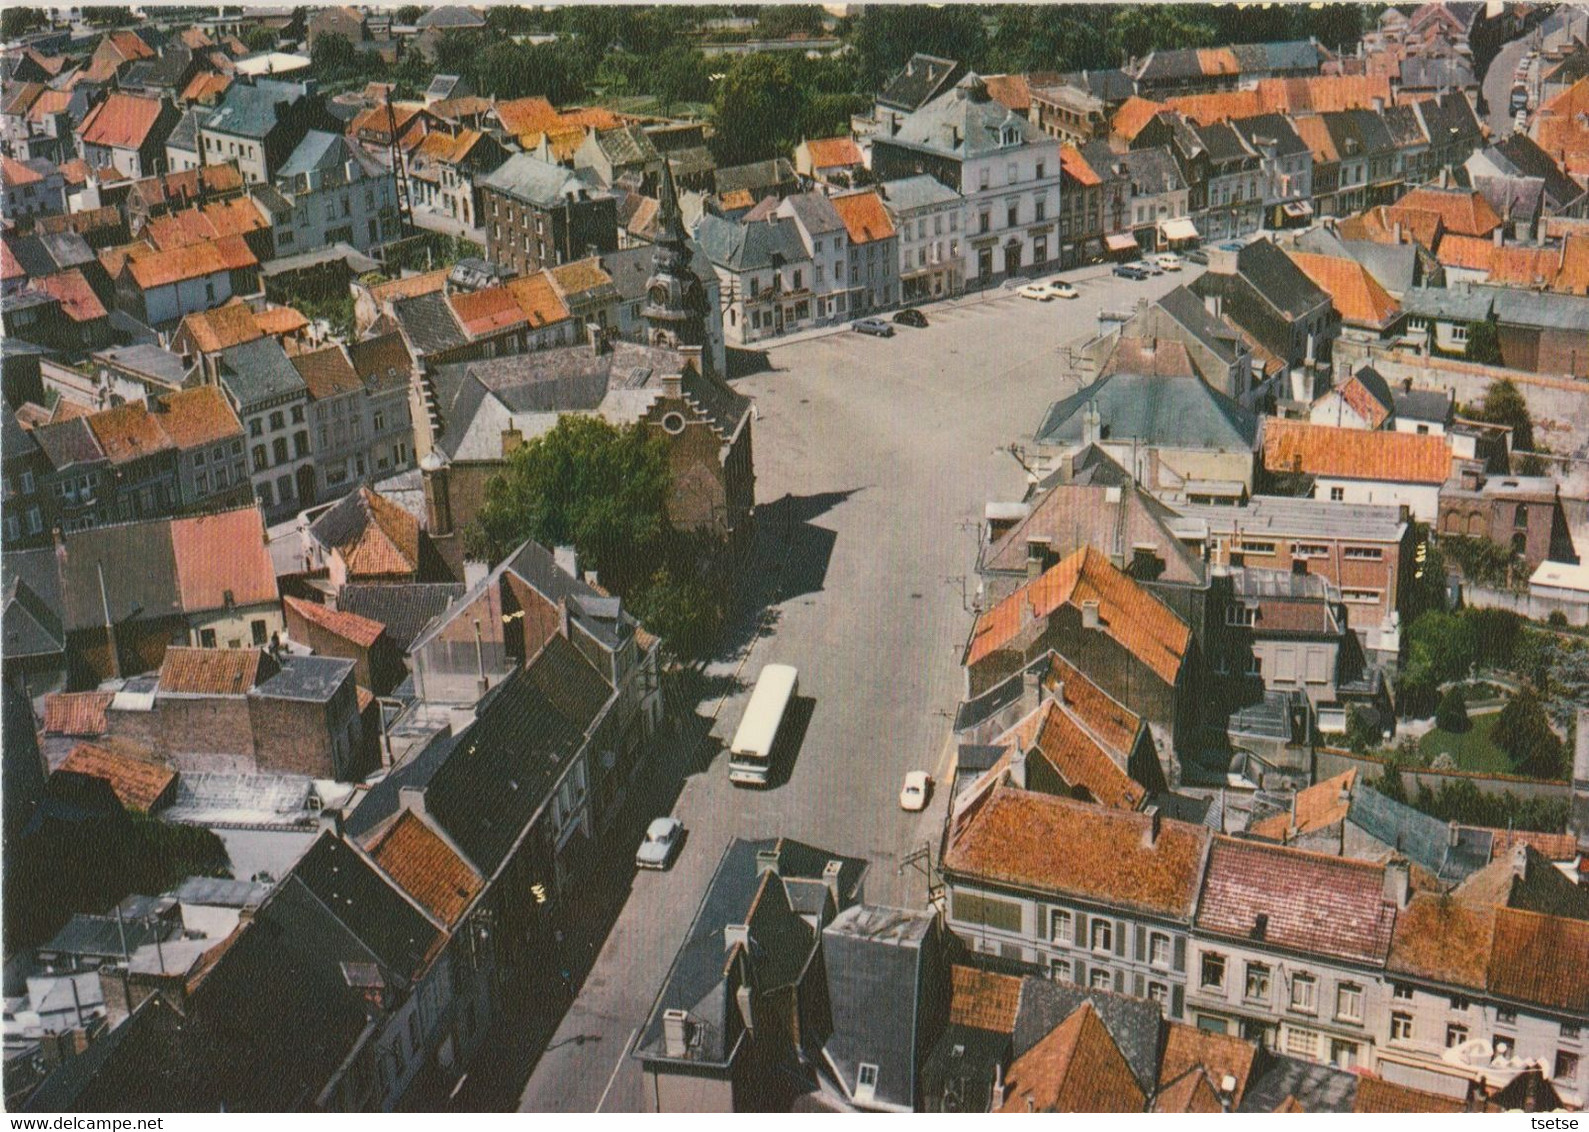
[(122, 121), (522, 116), (207, 222), (1054, 735), (77, 297), (1355, 294), (1127, 612), (386, 543), (1133, 114), (223, 555), (538, 299), (1443, 939), (1106, 717), (194, 417), (1377, 1095), (1472, 253), (828, 153), (426, 867), (76, 713), (350, 626), (128, 432), (1191, 1092), (1221, 106), (14, 173), (983, 1000), (138, 783), (1309, 902), (411, 286), (1049, 844), (1551, 846), (214, 330), (865, 217), (1318, 806), (192, 261), (206, 88), (1392, 457), (1076, 1068), (1540, 959), (1188, 1047), (486, 311), (1463, 211), (210, 672), (1323, 93), (327, 372), (1075, 166)]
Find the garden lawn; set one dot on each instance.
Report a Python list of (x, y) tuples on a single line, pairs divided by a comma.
[(1472, 749)]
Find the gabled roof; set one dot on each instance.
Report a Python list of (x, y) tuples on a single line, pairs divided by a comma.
[(137, 782), (351, 627), (1392, 457), (1041, 843), (402, 608), (1080, 759), (963, 123), (923, 77), (1076, 1068), (189, 261), (257, 371), (539, 182), (76, 713), (373, 910), (373, 535), (1131, 615), (221, 559), (1167, 412), (1355, 294), (121, 121), (326, 372), (1189, 1047), (983, 1000), (77, 298), (864, 217), (1133, 115), (128, 432), (252, 110), (213, 672), (828, 153), (1377, 1095), (1299, 901), (1316, 807), (423, 865), (1464, 212)]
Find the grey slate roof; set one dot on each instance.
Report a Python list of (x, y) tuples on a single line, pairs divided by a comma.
[(1419, 72), (318, 150), (1422, 404), (382, 919), (69, 443), (627, 145), (963, 123), (313, 679), (1278, 280), (1222, 143), (1110, 85), (1169, 412), (258, 371), (876, 955), (540, 182), (1404, 126), (1449, 118), (1317, 1088), (32, 627), (911, 193), (251, 110), (1152, 170), (153, 361), (184, 136), (756, 246), (405, 608), (429, 324), (815, 213), (450, 16), (1271, 129), (923, 78), (1455, 304), (756, 177), (1188, 310), (1422, 839), (1525, 157), (220, 892)]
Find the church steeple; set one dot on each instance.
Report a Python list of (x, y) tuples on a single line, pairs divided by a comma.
[(675, 310)]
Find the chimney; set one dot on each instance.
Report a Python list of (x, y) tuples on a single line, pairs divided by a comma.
[(412, 799), (998, 1087), (1212, 304), (330, 821), (512, 441), (1396, 883), (562, 619), (1500, 235), (673, 386), (954, 133), (1520, 860), (1150, 828), (675, 1032), (1016, 774), (830, 877), (1379, 104), (1032, 681), (1037, 550), (767, 861), (1089, 615), (1396, 231), (1312, 349), (735, 934), (567, 559)]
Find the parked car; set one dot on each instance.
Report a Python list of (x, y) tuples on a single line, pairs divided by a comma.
[(910, 316), (1042, 292), (1520, 123), (1148, 267), (662, 842), (1197, 256), (1169, 261), (913, 796), (873, 326), (1063, 290), (1130, 271)]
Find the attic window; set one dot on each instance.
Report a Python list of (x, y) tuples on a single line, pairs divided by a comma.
[(673, 424)]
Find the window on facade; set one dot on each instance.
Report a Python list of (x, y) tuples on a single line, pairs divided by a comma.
[(297, 414), (1310, 550), (1100, 979), (1343, 1055), (278, 448), (984, 177), (13, 528), (1364, 553), (300, 444), (1570, 1031), (1213, 971), (866, 1076), (256, 427), (261, 460), (972, 908), (1401, 990), (277, 420), (35, 521), (206, 638), (1360, 597), (1103, 935), (1059, 969), (1159, 949), (201, 482), (1460, 1003), (1566, 1066), (1059, 929), (1302, 1043), (1012, 214), (799, 279), (1456, 1034), (1337, 494), (1159, 993), (1349, 1002), (1304, 993), (258, 630), (1257, 988)]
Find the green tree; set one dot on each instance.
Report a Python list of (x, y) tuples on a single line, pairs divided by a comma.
[(412, 74), (1426, 590), (109, 16), (1441, 647), (1139, 29), (757, 108), (679, 75), (333, 55), (1484, 343), (1496, 633), (779, 21), (260, 39), (409, 14), (18, 21), (1504, 405), (1390, 782), (1362, 729), (1453, 713), (884, 36), (1523, 731), (456, 52)]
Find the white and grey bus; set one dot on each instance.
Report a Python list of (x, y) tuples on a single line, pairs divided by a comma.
[(750, 756)]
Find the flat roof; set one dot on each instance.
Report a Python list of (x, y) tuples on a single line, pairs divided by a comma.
[(1287, 515)]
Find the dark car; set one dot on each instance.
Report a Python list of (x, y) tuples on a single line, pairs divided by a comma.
[(1130, 271), (910, 316), (874, 326), (1196, 256)]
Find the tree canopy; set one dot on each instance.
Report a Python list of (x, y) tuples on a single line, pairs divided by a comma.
[(1524, 733), (1504, 405)]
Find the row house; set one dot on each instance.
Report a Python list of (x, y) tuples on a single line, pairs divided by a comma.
[(259, 124), (1286, 168), (359, 411), (1354, 466), (328, 191), (1094, 204), (873, 251), (27, 469), (827, 247), (159, 287), (1160, 202), (31, 188), (927, 217), (537, 214), (1274, 304), (1004, 169), (127, 133), (765, 274), (445, 171), (269, 396)]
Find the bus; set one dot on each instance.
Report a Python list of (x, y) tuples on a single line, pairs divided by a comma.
[(750, 756)]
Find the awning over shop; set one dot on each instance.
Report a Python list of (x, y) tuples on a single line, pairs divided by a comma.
[(1179, 229), (1298, 209), (1121, 242)]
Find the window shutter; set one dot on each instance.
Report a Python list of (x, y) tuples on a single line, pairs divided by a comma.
[(1180, 953), (1142, 943), (1177, 1001), (1082, 939), (1081, 973), (1120, 982), (1042, 921), (1140, 984), (1120, 938)]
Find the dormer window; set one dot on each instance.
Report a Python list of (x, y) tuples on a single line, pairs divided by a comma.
[(1009, 135)]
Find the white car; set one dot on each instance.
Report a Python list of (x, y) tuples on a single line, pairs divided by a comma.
[(1063, 290), (913, 796), (662, 842), (1042, 292), (1169, 261)]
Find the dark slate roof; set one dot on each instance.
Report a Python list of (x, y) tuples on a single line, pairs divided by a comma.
[(1404, 126), (1280, 281), (961, 1065), (450, 16), (153, 360), (1524, 155), (40, 572), (149, 592), (1317, 1088), (1222, 143), (750, 247), (1271, 129), (1448, 117), (1110, 85), (103, 937), (259, 371), (505, 764), (314, 679), (429, 324), (1135, 1024), (1171, 412), (695, 980), (1422, 404), (876, 955), (630, 268), (963, 123), (32, 627), (922, 78), (250, 109), (400, 937), (404, 608), (184, 135), (1154, 169), (1419, 72), (1358, 133), (756, 177), (1187, 309), (1422, 839), (540, 182), (15, 441), (384, 800)]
